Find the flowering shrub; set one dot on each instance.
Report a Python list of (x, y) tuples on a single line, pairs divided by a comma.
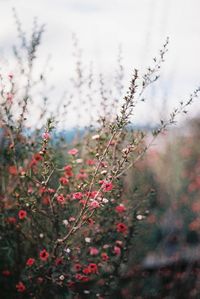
[(66, 224)]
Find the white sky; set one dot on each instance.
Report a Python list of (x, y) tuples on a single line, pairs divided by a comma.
[(141, 26)]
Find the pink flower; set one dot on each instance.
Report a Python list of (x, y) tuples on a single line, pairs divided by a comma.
[(46, 136), (20, 287), (71, 219), (60, 198), (22, 214), (11, 220), (30, 261), (82, 176), (44, 255), (68, 170), (120, 208), (107, 186), (94, 251), (94, 204), (117, 250), (104, 256), (90, 162), (73, 151), (64, 181), (77, 195)]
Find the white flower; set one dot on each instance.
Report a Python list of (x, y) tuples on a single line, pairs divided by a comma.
[(79, 161), (105, 200), (65, 222), (86, 292), (95, 137), (62, 277), (87, 240), (139, 217)]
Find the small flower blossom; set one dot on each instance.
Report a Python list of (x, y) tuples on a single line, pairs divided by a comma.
[(71, 219), (139, 217), (44, 255), (68, 170), (22, 214), (60, 198), (30, 261), (46, 136), (90, 162), (20, 287), (82, 176), (65, 222), (86, 270), (121, 228), (64, 181), (73, 151), (79, 161), (87, 240), (107, 186), (95, 137), (6, 273), (93, 268), (11, 220), (62, 277), (94, 251), (94, 204), (104, 256), (120, 208), (117, 250), (59, 261), (12, 170), (77, 195), (77, 267)]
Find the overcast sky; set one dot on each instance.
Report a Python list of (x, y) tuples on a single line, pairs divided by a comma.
[(140, 26)]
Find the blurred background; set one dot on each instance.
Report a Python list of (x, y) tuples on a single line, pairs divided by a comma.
[(138, 27)]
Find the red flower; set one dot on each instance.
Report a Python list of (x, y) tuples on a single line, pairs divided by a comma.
[(59, 261), (11, 220), (37, 157), (68, 170), (86, 270), (63, 180), (90, 162), (107, 186), (12, 170), (22, 214), (30, 261), (60, 198), (6, 273), (77, 267), (121, 228), (73, 151), (44, 255), (93, 268), (120, 208), (81, 176), (104, 256), (46, 200), (20, 287)]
